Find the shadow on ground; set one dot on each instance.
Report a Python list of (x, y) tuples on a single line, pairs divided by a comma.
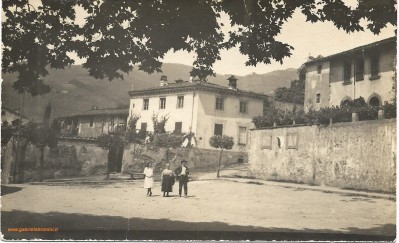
[(9, 189), (85, 226)]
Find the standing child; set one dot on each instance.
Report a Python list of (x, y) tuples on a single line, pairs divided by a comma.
[(148, 180)]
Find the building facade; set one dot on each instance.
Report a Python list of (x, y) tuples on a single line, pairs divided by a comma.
[(367, 71), (93, 123), (202, 108)]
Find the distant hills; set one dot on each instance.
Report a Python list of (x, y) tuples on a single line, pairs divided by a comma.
[(74, 90)]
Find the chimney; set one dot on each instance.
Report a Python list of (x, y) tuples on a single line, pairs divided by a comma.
[(164, 80), (179, 80), (232, 82)]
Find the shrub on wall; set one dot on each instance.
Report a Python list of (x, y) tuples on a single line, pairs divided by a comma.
[(323, 116), (390, 110)]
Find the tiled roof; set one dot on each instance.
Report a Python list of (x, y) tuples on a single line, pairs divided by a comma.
[(104, 111), (193, 85), (391, 40), (15, 112)]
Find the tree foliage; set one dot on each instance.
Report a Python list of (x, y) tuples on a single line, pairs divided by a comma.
[(117, 36), (294, 94), (222, 142), (39, 136), (168, 140), (110, 141), (159, 124), (131, 128)]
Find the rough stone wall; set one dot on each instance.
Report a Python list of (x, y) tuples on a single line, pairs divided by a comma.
[(80, 158), (58, 162), (360, 155)]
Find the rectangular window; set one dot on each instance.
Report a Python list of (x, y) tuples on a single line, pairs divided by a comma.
[(143, 126), (178, 127), (242, 135), (162, 103), (359, 69), (243, 107), (319, 69), (347, 72), (219, 103), (180, 101), (266, 141), (292, 140), (317, 98), (146, 103), (218, 129), (91, 122), (374, 66)]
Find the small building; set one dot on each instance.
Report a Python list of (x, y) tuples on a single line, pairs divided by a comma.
[(11, 117), (202, 108), (93, 123), (367, 71)]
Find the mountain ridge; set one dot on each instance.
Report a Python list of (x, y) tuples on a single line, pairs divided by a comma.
[(73, 90)]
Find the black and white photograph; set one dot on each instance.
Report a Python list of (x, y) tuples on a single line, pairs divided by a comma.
[(202, 120)]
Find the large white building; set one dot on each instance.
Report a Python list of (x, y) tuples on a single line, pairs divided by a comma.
[(367, 71), (203, 108)]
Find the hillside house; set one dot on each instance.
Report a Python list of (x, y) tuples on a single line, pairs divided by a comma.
[(203, 108), (93, 123), (11, 117), (367, 71)]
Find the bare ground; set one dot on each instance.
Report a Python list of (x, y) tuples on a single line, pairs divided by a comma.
[(215, 209)]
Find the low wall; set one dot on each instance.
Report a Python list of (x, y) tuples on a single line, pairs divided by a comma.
[(359, 155), (83, 158), (58, 162)]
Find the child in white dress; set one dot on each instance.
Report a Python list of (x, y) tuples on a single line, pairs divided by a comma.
[(148, 180)]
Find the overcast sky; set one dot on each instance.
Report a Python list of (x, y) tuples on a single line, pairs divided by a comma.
[(306, 38)]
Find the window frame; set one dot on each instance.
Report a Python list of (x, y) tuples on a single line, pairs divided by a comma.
[(359, 76), (180, 105), (318, 98), (217, 104), (91, 122), (162, 103), (347, 72), (246, 107), (146, 104), (374, 66), (239, 135), (214, 129), (141, 126), (181, 127)]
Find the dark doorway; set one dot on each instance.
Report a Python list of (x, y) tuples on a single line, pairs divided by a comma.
[(115, 156), (375, 102)]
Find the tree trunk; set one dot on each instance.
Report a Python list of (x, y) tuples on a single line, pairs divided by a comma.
[(41, 163), (220, 160)]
